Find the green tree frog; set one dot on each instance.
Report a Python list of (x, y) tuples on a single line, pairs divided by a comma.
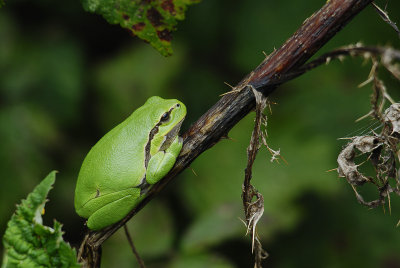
[(122, 166)]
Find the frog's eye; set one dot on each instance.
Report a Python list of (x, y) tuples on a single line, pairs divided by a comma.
[(178, 105), (165, 117)]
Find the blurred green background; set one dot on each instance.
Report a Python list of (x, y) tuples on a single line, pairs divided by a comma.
[(67, 77)]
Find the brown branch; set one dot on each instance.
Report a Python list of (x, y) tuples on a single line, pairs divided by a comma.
[(231, 108)]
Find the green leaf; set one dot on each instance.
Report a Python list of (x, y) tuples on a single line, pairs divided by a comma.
[(28, 243), (152, 21)]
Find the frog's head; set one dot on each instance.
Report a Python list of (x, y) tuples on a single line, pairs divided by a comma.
[(168, 116)]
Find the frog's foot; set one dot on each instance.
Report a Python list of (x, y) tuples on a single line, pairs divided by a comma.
[(162, 162), (158, 167)]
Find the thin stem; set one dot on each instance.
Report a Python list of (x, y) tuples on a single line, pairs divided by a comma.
[(128, 236)]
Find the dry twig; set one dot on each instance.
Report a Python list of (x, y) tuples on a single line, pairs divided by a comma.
[(134, 251), (254, 210), (383, 14), (381, 151)]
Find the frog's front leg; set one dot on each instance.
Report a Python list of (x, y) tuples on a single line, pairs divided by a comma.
[(163, 161)]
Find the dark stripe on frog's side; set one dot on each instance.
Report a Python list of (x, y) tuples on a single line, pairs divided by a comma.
[(147, 155), (152, 133), (144, 186)]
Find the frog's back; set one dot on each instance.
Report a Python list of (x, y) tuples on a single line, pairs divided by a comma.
[(116, 162)]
